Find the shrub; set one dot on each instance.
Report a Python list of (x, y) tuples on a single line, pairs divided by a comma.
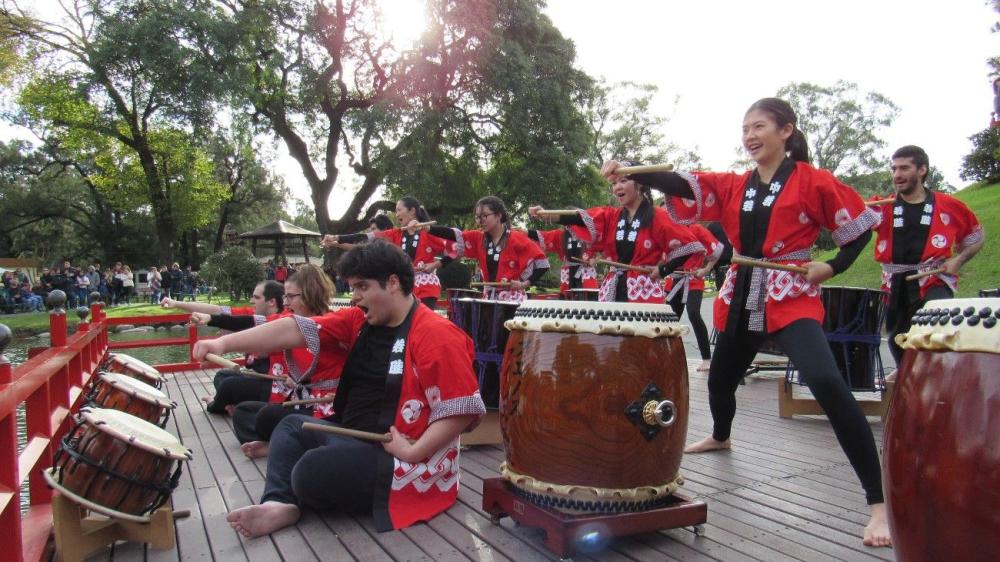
[(234, 269), (983, 163)]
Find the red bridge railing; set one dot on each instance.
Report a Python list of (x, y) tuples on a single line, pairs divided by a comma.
[(50, 386)]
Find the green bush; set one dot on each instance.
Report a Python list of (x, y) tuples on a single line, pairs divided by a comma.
[(983, 163), (234, 269)]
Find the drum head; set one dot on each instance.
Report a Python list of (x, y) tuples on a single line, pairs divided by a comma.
[(137, 365), (606, 318), (136, 431), (137, 388)]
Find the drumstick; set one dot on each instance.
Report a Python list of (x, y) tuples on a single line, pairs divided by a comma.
[(627, 170), (879, 202), (223, 362), (422, 224), (366, 435), (490, 283), (579, 260), (639, 268), (769, 265), (927, 273), (308, 401), (556, 212)]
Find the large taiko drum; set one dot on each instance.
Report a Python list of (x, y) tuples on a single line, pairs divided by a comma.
[(130, 366), (117, 464), (594, 405), (484, 321), (942, 436), (132, 396), (336, 304)]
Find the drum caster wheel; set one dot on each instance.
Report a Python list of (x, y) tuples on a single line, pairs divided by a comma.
[(699, 530)]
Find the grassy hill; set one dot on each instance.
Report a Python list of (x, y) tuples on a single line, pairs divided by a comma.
[(983, 272)]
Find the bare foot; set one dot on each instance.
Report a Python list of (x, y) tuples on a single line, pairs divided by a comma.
[(264, 519), (230, 409), (255, 449), (877, 530), (706, 364), (708, 444), (891, 377), (207, 399)]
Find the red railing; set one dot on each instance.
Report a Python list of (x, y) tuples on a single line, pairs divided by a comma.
[(50, 385)]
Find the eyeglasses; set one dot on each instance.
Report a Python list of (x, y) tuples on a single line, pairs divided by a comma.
[(290, 296), (484, 216)]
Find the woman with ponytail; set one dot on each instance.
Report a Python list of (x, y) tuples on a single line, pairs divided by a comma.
[(504, 255), (637, 233), (427, 252), (774, 213)]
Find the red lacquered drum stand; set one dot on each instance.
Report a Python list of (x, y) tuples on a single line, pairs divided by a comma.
[(563, 530)]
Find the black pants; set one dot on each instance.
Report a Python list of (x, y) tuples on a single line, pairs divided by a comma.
[(694, 316), (898, 314), (231, 388), (319, 470), (804, 342), (256, 421)]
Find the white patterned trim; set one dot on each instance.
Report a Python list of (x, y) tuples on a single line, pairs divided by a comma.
[(325, 385), (696, 188), (225, 310), (462, 406), (686, 249), (540, 263), (258, 319), (459, 242), (850, 230), (588, 222), (310, 331), (976, 236)]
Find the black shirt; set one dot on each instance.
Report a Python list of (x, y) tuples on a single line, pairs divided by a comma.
[(362, 385)]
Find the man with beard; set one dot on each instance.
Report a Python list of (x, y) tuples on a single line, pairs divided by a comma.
[(916, 234)]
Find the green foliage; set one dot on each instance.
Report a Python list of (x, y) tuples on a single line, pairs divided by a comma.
[(983, 163), (841, 124), (234, 269)]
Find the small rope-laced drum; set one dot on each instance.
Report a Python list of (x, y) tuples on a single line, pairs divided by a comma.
[(941, 452), (126, 394), (594, 405), (128, 365), (117, 464)]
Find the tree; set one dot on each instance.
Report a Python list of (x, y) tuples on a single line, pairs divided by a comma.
[(841, 124), (234, 269), (983, 163), (116, 75)]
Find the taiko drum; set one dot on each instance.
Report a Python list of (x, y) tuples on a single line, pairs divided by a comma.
[(126, 394), (594, 405), (130, 366), (942, 437)]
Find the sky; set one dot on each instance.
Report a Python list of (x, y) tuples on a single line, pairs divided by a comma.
[(716, 57)]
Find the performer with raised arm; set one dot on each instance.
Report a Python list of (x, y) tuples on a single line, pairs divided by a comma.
[(774, 213), (685, 287), (507, 258), (916, 235), (427, 252), (408, 376), (637, 234), (574, 274)]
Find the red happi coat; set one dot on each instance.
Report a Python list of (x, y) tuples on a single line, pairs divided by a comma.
[(437, 383), (519, 258), (662, 237), (552, 241), (952, 224), (243, 311), (697, 261), (812, 198), (428, 248)]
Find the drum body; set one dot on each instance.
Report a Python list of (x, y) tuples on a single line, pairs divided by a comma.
[(126, 394), (853, 327), (579, 381), (118, 463), (455, 294), (130, 366), (484, 321), (941, 463), (581, 294)]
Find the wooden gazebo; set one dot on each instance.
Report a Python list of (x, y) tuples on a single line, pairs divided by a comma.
[(278, 235)]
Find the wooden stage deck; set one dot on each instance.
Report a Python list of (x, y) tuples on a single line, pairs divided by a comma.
[(786, 492)]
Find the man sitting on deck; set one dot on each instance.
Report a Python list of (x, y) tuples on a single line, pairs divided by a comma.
[(402, 378)]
